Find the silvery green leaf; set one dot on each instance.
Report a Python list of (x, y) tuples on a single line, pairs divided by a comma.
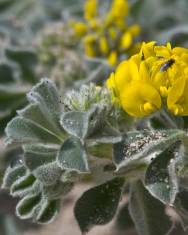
[(46, 95), (21, 130), (27, 205), (73, 156), (160, 178), (138, 146), (38, 155), (82, 124), (38, 205), (46, 211), (22, 185), (12, 174), (39, 121), (75, 123), (147, 212), (57, 190), (98, 205), (33, 113), (48, 173), (97, 118)]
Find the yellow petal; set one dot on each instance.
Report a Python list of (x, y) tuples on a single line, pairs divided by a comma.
[(147, 49), (80, 28), (90, 9), (144, 72), (177, 100), (111, 85), (112, 59), (119, 8), (140, 99), (134, 30), (103, 44), (126, 40), (125, 73), (175, 92)]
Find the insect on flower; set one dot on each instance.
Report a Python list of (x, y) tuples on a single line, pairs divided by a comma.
[(140, 86)]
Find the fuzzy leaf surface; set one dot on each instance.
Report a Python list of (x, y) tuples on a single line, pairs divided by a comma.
[(136, 146), (72, 156), (160, 177), (98, 205), (75, 123), (39, 121), (38, 155), (147, 212)]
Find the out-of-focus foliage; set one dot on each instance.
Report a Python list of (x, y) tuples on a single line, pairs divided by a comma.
[(18, 74), (162, 20), (21, 19)]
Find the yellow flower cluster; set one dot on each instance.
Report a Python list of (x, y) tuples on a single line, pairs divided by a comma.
[(107, 35), (156, 77)]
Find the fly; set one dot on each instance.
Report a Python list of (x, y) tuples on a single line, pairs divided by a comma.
[(167, 65)]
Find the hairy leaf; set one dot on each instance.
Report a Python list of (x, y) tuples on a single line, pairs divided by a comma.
[(160, 177), (26, 207), (72, 156), (22, 185), (98, 205), (12, 174), (49, 173), (137, 146), (21, 130), (48, 211), (147, 212), (38, 155), (57, 190), (75, 123)]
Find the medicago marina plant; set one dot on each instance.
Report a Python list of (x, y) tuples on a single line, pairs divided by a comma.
[(131, 132)]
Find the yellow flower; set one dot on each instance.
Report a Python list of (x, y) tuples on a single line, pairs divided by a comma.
[(112, 58), (134, 30), (89, 44), (94, 24), (80, 28), (156, 75), (113, 33), (132, 86), (119, 9), (177, 100), (113, 39), (90, 9), (89, 51), (103, 44), (126, 40)]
